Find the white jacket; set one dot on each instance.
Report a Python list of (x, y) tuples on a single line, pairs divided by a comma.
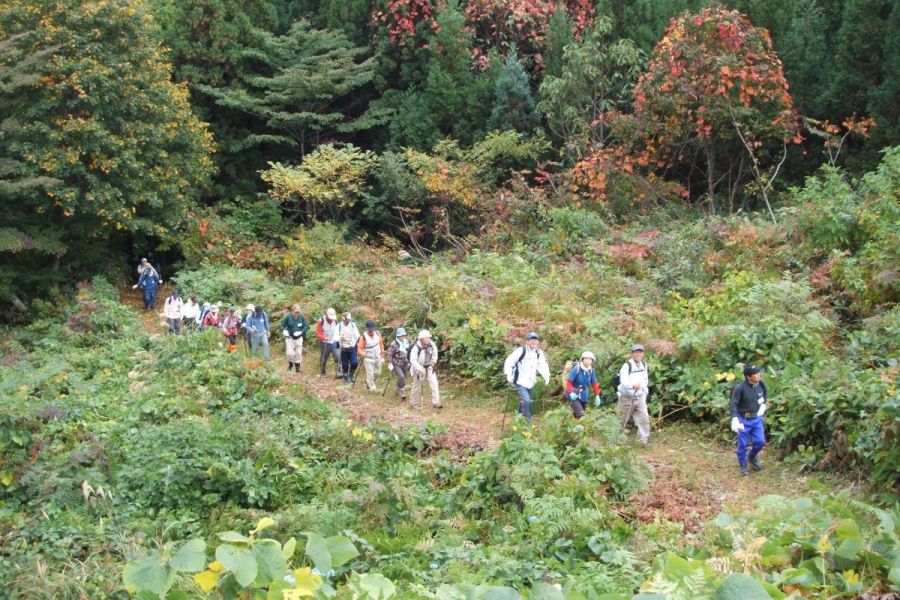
[(172, 308), (190, 311), (534, 362), (627, 380), (419, 356)]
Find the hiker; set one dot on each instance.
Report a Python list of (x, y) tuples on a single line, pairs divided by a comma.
[(398, 360), (347, 335), (149, 281), (256, 324), (634, 386), (230, 327), (326, 332), (204, 310), (581, 378), (423, 357), (294, 328), (371, 347), (522, 367), (212, 318), (190, 313), (172, 311), (747, 407)]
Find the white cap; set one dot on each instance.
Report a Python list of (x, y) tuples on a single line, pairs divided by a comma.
[(348, 316), (250, 307), (331, 314), (424, 334), (589, 355)]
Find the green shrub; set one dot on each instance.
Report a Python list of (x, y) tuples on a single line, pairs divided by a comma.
[(231, 286)]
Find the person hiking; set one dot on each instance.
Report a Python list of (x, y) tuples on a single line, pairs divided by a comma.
[(230, 327), (581, 378), (398, 360), (212, 319), (326, 333), (423, 357), (190, 314), (294, 328), (256, 324), (371, 347), (634, 385), (347, 336), (172, 311), (522, 368), (747, 407), (149, 281), (204, 310)]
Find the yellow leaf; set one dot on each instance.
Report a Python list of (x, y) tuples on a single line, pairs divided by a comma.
[(264, 523), (215, 566), (851, 576), (206, 580), (306, 583)]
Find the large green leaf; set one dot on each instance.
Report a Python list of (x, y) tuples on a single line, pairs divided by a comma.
[(374, 585), (545, 591), (240, 561), (317, 551), (341, 550), (738, 586), (148, 574), (270, 561), (190, 558)]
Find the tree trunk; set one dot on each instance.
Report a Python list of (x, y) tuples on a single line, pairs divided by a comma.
[(710, 178)]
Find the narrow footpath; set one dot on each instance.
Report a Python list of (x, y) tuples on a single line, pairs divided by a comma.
[(694, 472)]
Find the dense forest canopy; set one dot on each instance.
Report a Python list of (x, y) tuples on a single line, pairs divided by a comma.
[(624, 105)]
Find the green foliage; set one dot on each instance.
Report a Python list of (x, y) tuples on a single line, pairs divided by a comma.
[(301, 89), (87, 168), (328, 179), (230, 286), (513, 105)]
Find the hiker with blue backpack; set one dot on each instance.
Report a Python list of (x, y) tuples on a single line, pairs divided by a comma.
[(632, 390), (522, 368), (579, 381), (747, 407), (149, 281)]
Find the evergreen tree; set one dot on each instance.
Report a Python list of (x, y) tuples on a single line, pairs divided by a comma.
[(100, 147), (513, 103), (560, 33), (307, 89)]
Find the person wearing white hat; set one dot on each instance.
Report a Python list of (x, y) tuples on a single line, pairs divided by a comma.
[(423, 357), (326, 328), (582, 378), (256, 324), (347, 335), (632, 391)]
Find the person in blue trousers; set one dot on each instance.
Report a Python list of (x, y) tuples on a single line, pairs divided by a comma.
[(522, 368), (748, 405), (148, 281), (256, 324)]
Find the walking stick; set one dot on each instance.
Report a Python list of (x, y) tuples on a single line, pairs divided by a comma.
[(503, 421), (386, 383)]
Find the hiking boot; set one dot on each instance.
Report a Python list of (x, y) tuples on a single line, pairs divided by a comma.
[(754, 462), (744, 471), (346, 377), (437, 406), (290, 366)]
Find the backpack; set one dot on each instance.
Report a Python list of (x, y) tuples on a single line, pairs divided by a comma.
[(616, 381), (518, 362)]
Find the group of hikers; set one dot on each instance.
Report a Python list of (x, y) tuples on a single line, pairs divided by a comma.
[(342, 341)]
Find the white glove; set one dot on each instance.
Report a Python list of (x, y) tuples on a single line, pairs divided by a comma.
[(762, 409), (134, 287), (736, 425), (390, 366), (285, 333)]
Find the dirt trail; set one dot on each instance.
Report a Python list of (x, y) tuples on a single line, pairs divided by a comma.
[(469, 427), (695, 474)]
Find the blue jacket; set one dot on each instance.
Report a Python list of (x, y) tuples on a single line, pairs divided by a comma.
[(582, 380), (149, 280), (257, 319)]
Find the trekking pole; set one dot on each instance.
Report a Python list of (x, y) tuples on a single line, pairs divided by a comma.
[(503, 420), (386, 384)]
